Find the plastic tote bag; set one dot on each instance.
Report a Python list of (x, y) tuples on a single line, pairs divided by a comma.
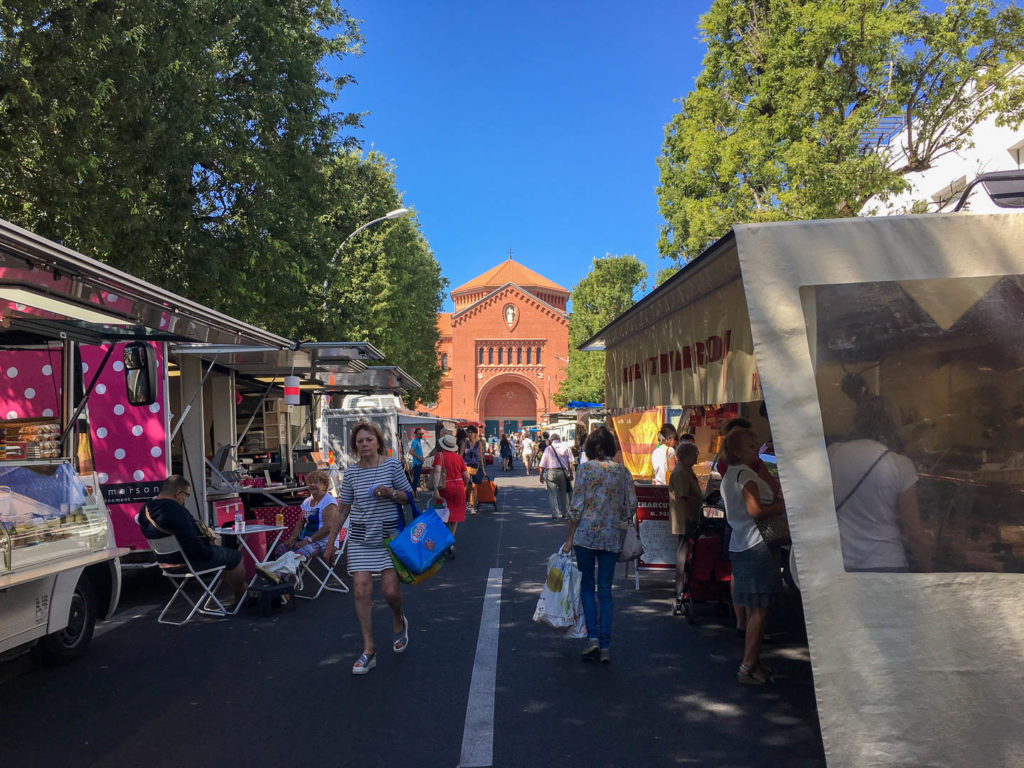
[(559, 605), (421, 544)]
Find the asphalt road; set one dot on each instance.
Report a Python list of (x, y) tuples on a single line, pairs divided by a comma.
[(278, 691)]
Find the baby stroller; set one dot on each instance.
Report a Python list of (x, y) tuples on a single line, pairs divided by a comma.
[(707, 573)]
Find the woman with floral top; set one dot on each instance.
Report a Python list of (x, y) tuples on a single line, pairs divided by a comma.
[(602, 504)]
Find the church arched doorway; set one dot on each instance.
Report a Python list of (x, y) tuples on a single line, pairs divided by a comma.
[(507, 405)]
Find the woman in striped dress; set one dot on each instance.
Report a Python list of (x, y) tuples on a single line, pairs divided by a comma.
[(370, 491)]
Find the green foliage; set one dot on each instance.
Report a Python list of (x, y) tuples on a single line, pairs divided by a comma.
[(191, 143), (386, 287), (664, 274), (608, 290), (773, 129), (179, 141)]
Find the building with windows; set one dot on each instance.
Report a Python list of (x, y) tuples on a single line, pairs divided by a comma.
[(504, 350), (992, 147)]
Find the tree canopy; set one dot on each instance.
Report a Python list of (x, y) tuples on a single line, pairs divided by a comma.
[(606, 292), (777, 126), (195, 144)]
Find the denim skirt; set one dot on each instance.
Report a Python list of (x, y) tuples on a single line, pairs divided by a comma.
[(757, 582)]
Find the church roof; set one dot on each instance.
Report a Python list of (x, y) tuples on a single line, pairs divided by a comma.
[(444, 323), (509, 271)]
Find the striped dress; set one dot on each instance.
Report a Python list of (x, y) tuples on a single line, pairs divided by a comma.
[(372, 520)]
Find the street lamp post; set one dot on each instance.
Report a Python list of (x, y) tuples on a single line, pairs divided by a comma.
[(395, 214)]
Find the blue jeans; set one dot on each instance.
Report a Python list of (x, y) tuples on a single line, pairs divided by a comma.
[(605, 561), (417, 469)]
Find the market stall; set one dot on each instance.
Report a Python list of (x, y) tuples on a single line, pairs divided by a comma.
[(83, 441), (895, 340)]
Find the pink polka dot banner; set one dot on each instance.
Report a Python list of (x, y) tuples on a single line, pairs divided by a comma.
[(29, 384), (128, 441)]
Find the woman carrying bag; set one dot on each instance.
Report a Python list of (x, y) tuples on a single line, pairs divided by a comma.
[(602, 505), (450, 481), (370, 490)]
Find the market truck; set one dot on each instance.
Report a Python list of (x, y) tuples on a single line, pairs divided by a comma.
[(82, 417)]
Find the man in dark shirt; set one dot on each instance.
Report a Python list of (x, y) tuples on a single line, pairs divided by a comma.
[(165, 515)]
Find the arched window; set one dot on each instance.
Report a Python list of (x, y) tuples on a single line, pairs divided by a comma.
[(519, 356), (490, 355), (499, 355), (481, 355), (528, 351), (444, 361), (538, 356)]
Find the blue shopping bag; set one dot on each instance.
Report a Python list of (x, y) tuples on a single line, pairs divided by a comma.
[(422, 543)]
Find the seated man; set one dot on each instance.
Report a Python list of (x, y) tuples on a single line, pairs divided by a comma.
[(165, 516)]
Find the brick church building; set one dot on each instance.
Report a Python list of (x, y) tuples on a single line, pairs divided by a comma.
[(504, 349)]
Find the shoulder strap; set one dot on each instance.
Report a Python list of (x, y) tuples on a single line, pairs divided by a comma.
[(862, 479), (153, 523)]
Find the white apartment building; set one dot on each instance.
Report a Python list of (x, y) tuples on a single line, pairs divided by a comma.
[(992, 148)]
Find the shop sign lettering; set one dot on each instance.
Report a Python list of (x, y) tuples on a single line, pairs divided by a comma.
[(698, 354)]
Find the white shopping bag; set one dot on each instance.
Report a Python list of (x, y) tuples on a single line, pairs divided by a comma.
[(578, 628), (556, 606), (286, 565)]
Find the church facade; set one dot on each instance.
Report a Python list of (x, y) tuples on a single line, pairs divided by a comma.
[(504, 349)]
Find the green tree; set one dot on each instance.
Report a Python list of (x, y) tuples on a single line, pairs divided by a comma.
[(182, 141), (775, 126), (386, 287), (608, 290)]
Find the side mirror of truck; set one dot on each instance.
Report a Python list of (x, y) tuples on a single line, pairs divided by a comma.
[(140, 377)]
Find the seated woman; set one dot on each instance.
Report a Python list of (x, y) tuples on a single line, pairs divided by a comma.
[(310, 536)]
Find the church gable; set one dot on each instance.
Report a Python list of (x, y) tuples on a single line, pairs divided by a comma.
[(515, 300)]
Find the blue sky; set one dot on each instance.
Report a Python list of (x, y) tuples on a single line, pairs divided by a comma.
[(526, 125)]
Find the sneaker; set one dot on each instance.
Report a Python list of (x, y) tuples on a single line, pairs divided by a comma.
[(591, 649), (752, 676), (364, 663), (606, 656)]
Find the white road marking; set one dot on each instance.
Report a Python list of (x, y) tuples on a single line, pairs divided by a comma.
[(478, 733)]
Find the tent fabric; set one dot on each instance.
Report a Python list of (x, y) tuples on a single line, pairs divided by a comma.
[(638, 437), (581, 404), (910, 669), (687, 344)]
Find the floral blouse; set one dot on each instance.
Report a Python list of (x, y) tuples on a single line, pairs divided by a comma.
[(603, 500)]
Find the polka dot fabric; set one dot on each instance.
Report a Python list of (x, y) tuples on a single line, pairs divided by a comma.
[(28, 389), (128, 441)]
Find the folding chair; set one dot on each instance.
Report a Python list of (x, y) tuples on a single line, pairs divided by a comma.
[(327, 578), (168, 545)]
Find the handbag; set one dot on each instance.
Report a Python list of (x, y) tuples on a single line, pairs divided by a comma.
[(421, 545), (565, 473), (775, 531), (632, 547), (432, 483)]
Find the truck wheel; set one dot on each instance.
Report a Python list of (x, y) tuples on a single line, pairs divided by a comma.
[(73, 641)]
